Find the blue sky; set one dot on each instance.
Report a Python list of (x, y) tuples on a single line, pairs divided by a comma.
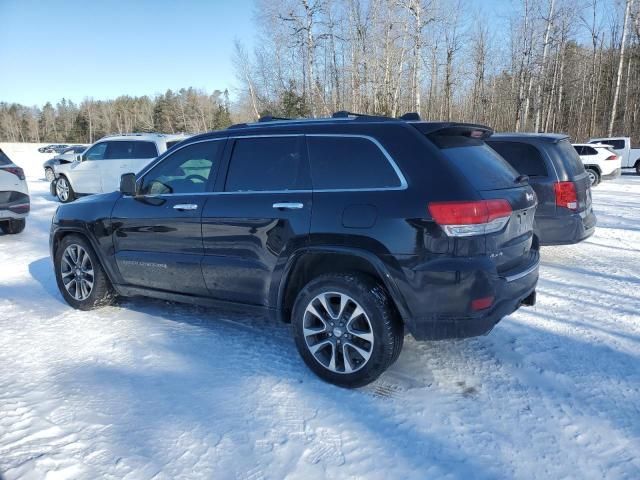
[(106, 48)]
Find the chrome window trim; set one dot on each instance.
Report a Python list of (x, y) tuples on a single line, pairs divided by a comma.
[(403, 182)]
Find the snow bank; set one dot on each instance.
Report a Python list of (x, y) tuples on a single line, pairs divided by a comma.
[(27, 156)]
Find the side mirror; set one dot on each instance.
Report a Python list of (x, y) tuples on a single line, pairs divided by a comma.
[(128, 184)]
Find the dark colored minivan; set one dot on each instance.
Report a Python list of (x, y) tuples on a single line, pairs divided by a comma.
[(354, 228), (564, 215)]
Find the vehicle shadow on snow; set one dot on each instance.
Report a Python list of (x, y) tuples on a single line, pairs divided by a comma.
[(238, 379), (41, 271)]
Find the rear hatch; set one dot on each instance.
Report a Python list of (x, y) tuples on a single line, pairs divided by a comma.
[(567, 156), (494, 180)]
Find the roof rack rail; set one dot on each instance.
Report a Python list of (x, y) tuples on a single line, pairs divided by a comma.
[(271, 118), (411, 117), (133, 134)]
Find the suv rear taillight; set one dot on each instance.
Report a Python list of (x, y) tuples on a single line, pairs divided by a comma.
[(612, 157), (17, 171), (566, 195), (464, 219)]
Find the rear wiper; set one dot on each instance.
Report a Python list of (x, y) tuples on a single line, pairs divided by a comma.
[(522, 179)]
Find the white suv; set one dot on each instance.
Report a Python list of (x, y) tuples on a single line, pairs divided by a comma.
[(14, 196), (99, 168), (600, 161)]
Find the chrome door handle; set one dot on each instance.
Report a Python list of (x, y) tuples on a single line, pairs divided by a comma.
[(288, 205), (185, 206)]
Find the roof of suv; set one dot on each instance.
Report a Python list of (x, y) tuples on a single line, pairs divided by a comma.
[(154, 137), (548, 137)]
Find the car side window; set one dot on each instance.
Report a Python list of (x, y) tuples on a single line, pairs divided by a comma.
[(579, 149), (144, 150), (187, 170), (268, 164), (589, 151), (349, 163), (119, 150), (524, 158), (97, 151)]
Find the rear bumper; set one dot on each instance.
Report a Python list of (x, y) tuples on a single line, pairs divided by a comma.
[(566, 229), (440, 301), (14, 205), (613, 175)]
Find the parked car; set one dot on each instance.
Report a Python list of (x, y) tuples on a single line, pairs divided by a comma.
[(351, 228), (54, 147), (99, 167), (600, 161), (564, 214), (68, 155), (14, 196), (629, 156)]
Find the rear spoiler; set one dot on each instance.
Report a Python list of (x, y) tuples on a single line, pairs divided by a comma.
[(453, 129)]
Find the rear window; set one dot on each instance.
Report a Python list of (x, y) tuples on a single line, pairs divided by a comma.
[(4, 160), (570, 158), (171, 144), (482, 166), (349, 163), (524, 158)]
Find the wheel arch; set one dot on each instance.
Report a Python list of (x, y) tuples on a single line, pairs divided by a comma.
[(594, 167), (311, 262)]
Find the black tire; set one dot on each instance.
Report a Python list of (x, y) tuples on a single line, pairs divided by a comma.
[(60, 183), (101, 293), (13, 226), (385, 324), (594, 176), (49, 175), (638, 167)]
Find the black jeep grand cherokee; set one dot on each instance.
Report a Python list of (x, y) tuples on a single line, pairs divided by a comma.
[(352, 228)]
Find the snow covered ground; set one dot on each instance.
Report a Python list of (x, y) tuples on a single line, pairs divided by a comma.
[(149, 389)]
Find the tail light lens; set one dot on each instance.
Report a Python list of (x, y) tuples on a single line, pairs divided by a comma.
[(17, 171), (465, 219), (566, 195), (612, 157), (482, 303)]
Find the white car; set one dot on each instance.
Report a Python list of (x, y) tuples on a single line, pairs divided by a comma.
[(67, 156), (629, 156), (14, 196), (98, 169), (600, 161)]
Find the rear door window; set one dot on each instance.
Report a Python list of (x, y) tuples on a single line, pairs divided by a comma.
[(119, 150), (524, 158), (268, 164), (144, 150), (349, 163)]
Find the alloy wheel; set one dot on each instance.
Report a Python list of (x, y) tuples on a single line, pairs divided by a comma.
[(592, 177), (338, 332), (62, 189), (49, 175), (76, 271)]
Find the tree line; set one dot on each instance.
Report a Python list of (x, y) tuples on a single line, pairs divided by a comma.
[(545, 65), (187, 110), (568, 66)]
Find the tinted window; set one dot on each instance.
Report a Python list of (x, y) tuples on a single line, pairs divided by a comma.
[(265, 164), (4, 160), (188, 170), (119, 150), (144, 150), (171, 144), (570, 158), (97, 151), (524, 158), (616, 144), (482, 166), (348, 163)]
